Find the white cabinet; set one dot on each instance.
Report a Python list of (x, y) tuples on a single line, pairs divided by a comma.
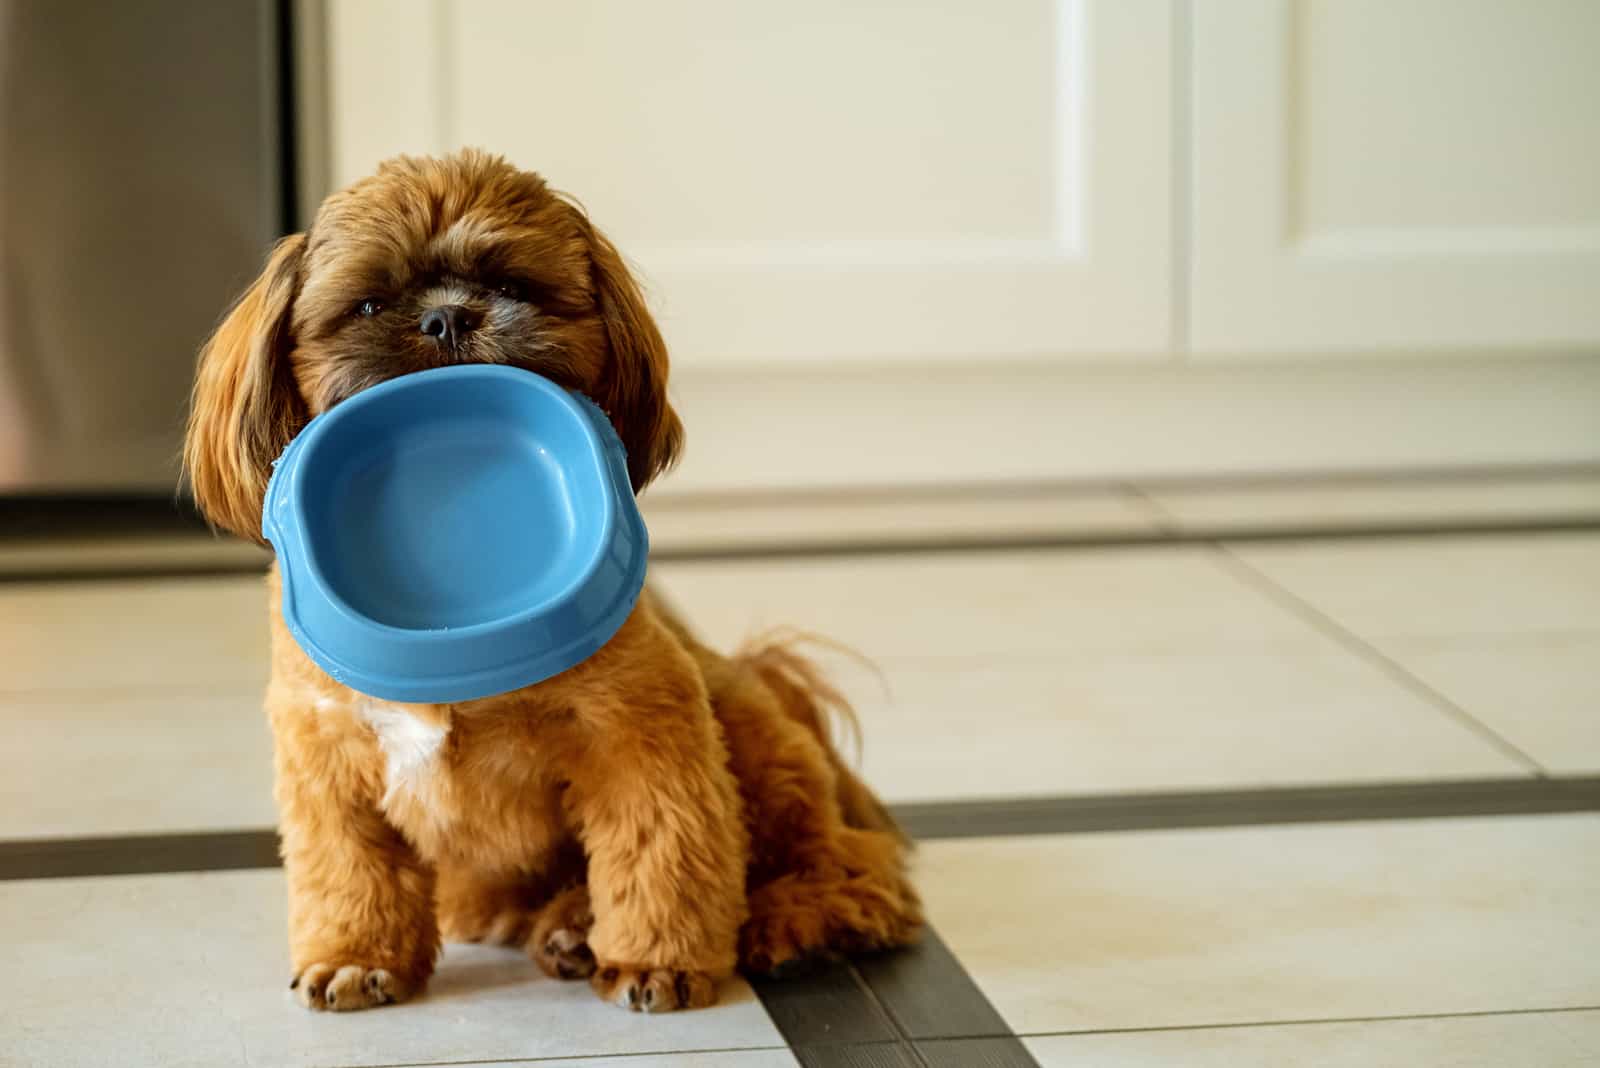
[(941, 241), (1413, 176), (819, 183)]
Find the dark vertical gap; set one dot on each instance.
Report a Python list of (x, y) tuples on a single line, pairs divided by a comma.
[(288, 120)]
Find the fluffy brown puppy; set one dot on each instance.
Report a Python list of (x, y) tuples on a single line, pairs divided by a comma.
[(648, 819)]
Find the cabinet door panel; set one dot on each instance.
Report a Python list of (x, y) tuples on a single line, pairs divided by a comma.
[(819, 183), (1372, 175)]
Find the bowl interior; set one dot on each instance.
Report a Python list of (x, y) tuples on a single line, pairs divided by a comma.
[(452, 507)]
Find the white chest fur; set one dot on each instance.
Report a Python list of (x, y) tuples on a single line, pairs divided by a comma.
[(410, 745)]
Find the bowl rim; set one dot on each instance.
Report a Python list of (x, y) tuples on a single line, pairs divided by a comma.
[(306, 562)]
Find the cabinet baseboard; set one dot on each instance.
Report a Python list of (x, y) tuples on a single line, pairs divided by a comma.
[(766, 430)]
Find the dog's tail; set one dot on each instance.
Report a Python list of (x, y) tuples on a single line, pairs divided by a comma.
[(807, 696), (811, 699)]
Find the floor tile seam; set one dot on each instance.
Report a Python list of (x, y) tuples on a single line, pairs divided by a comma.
[(598, 1058), (1352, 642), (905, 1039), (1311, 1021)]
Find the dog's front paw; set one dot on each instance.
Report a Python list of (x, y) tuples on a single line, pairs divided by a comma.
[(341, 987), (560, 941), (654, 989)]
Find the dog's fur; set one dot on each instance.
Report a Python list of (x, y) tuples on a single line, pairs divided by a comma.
[(650, 818)]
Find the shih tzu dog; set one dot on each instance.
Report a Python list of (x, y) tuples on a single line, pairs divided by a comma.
[(648, 820)]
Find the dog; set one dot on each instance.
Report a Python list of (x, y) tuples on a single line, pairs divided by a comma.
[(648, 820)]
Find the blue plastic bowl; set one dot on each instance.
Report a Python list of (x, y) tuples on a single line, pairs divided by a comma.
[(455, 533)]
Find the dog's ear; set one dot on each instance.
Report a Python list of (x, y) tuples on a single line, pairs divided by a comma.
[(632, 388), (245, 407)]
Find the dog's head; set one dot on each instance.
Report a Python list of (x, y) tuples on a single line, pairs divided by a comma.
[(426, 263)]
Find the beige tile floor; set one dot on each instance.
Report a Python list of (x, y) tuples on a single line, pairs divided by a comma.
[(92, 763), (1272, 924), (1507, 629), (190, 970), (1542, 692), (129, 706)]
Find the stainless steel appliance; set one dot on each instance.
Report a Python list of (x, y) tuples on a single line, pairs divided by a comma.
[(144, 169)]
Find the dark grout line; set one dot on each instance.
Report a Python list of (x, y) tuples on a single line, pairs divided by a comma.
[(1199, 809), (158, 854), (1365, 650), (138, 854), (1314, 1021)]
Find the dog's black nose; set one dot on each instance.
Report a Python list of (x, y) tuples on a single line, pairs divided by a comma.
[(448, 322)]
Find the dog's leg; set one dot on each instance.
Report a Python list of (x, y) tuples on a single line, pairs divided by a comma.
[(361, 921), (659, 816)]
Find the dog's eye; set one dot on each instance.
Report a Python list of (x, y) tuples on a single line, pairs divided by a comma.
[(509, 290), (369, 307)]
